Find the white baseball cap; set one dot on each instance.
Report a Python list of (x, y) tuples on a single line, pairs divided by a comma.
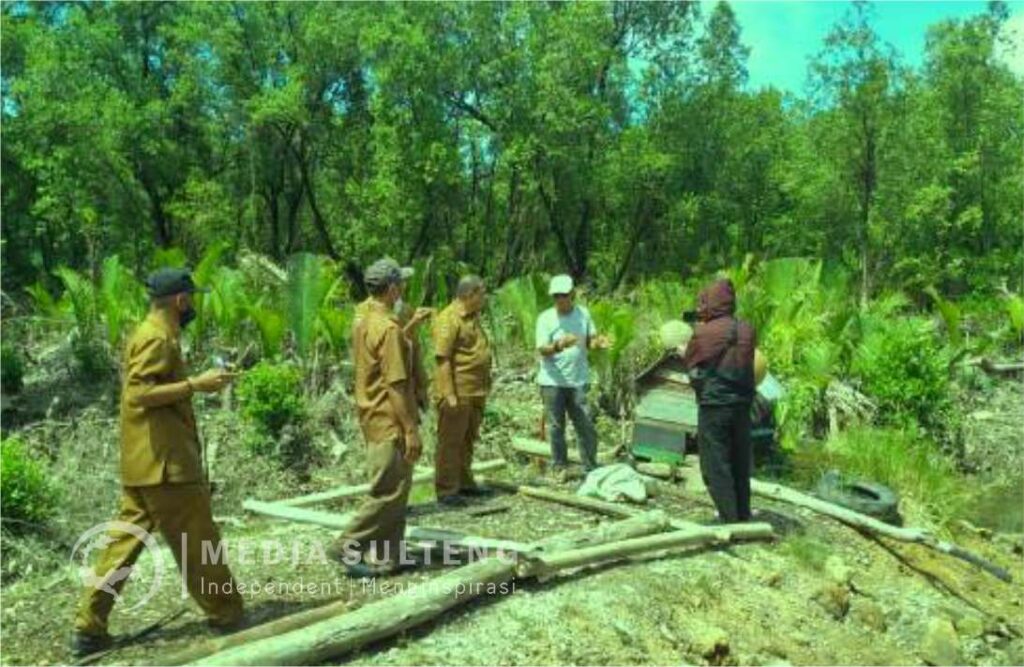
[(561, 284)]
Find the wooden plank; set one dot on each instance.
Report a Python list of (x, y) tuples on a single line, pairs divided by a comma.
[(417, 534), (419, 476), (539, 448)]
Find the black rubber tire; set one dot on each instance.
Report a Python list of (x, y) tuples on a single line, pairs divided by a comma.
[(866, 497)]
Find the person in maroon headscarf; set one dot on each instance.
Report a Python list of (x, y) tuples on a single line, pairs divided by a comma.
[(720, 361)]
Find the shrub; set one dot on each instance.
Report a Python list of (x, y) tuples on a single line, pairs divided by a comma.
[(902, 366), (27, 493), (12, 370), (270, 396)]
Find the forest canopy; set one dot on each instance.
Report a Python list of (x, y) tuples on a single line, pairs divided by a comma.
[(616, 141)]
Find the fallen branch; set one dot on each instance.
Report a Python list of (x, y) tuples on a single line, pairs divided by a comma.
[(328, 632), (870, 524), (419, 476), (541, 449)]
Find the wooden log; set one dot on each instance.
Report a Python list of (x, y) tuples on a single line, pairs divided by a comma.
[(298, 514), (412, 533), (646, 523), (863, 522), (541, 449), (317, 635), (321, 641), (199, 650), (613, 509), (544, 565), (419, 476)]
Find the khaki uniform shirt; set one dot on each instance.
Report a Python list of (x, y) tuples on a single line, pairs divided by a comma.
[(419, 372), (459, 338), (159, 443), (382, 358)]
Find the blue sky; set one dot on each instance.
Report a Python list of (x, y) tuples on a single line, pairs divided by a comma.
[(783, 35)]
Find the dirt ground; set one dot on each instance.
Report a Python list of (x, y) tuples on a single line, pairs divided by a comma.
[(820, 594)]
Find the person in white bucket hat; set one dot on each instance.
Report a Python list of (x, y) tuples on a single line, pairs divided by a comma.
[(564, 333)]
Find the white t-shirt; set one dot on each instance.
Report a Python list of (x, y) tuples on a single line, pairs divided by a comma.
[(568, 368)]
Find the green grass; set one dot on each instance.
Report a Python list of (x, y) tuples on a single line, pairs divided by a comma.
[(807, 551), (931, 492)]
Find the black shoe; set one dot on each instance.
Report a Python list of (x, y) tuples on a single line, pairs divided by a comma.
[(453, 500), (477, 492), (83, 644)]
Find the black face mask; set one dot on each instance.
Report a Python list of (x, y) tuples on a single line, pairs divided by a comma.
[(186, 316)]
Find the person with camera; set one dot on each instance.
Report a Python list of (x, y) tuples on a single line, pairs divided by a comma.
[(163, 485), (719, 360)]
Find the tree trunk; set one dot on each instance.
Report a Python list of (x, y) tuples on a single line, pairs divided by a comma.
[(323, 640), (545, 565)]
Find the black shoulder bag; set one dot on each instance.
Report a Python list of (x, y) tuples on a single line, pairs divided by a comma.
[(699, 375)]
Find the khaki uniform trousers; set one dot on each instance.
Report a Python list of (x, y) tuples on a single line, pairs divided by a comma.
[(173, 510), (378, 528), (457, 431)]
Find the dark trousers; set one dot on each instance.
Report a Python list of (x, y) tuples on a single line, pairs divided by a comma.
[(723, 436), (573, 400)]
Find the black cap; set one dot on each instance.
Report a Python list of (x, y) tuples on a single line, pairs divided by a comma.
[(165, 282)]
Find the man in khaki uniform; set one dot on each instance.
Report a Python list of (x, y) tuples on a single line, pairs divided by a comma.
[(386, 405), (163, 483), (410, 320), (463, 382)]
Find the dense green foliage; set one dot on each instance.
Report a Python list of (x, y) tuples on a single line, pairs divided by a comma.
[(615, 140), (27, 495), (271, 397), (902, 365)]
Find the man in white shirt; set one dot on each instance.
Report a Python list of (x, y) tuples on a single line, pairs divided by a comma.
[(564, 333)]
